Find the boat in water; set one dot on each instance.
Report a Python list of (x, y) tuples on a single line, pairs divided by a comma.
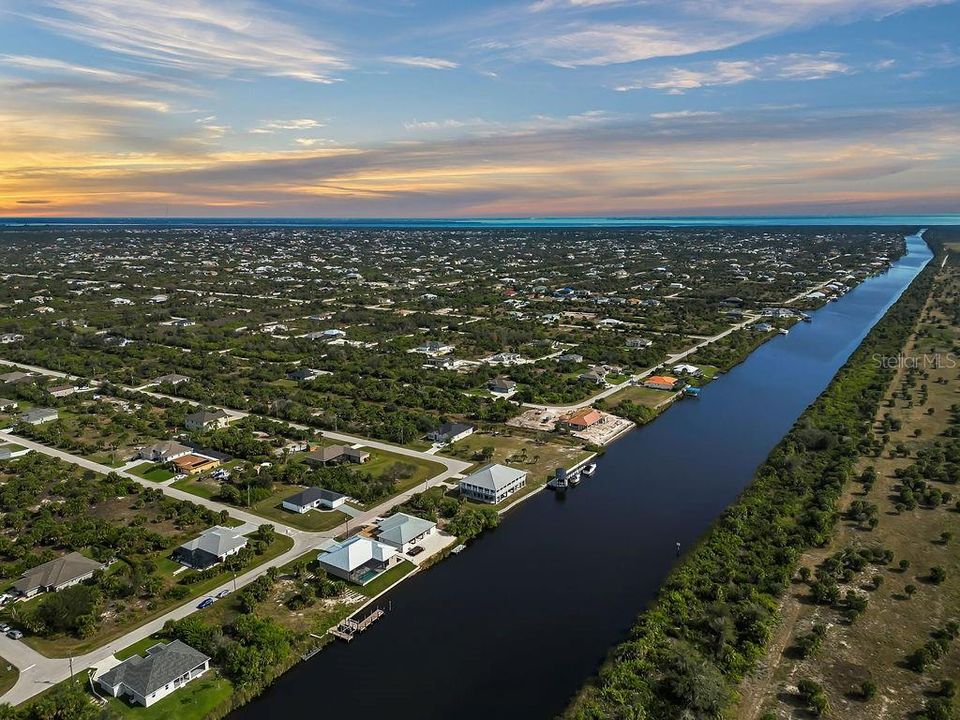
[(589, 470)]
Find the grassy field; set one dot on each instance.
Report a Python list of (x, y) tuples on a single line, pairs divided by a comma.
[(391, 576), (192, 702), (897, 620), (155, 472), (139, 648), (639, 395), (518, 450), (8, 676)]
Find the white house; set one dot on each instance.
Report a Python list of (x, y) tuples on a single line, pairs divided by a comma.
[(403, 531), (493, 483), (449, 433), (164, 670), (358, 559), (313, 497), (164, 452)]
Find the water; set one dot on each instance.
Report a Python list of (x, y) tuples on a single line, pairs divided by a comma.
[(512, 627), (533, 222)]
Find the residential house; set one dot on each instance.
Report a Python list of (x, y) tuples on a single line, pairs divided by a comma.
[(313, 498), (62, 390), (450, 432), (303, 374), (164, 452), (7, 405), (684, 369), (493, 483), (504, 358), (403, 531), (572, 358), (433, 347), (583, 419), (638, 343), (71, 569), (501, 385), (213, 546), (207, 420), (38, 416), (661, 382), (172, 379), (597, 376), (336, 454), (7, 338), (16, 377), (192, 464), (358, 559), (163, 670)]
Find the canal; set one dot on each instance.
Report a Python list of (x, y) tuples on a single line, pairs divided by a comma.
[(512, 627)]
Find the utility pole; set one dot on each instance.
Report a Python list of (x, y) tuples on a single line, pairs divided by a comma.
[(71, 667)]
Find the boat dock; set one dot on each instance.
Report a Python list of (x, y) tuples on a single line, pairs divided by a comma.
[(351, 627)]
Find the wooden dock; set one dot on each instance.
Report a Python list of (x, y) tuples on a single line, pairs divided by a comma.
[(351, 627)]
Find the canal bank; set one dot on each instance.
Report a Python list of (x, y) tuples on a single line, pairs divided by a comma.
[(513, 627)]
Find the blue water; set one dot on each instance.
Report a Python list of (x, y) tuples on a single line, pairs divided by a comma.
[(512, 627), (556, 222)]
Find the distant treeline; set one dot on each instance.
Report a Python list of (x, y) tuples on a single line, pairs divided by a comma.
[(712, 618)]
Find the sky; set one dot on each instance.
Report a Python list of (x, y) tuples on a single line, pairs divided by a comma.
[(473, 108)]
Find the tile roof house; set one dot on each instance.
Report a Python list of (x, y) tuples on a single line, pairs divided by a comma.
[(493, 483), (147, 679), (313, 497), (358, 559), (212, 546), (71, 569), (661, 382), (403, 531), (581, 420)]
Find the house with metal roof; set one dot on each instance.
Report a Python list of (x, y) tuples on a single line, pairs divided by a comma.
[(313, 498), (38, 416), (358, 559), (493, 483), (146, 679), (403, 531), (71, 569), (212, 546)]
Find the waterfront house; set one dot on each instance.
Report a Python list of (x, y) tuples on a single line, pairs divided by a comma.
[(403, 531), (164, 452), (211, 547), (144, 680), (206, 420), (493, 483), (358, 559), (583, 419), (38, 416), (313, 498), (449, 433), (661, 382), (684, 369), (63, 572)]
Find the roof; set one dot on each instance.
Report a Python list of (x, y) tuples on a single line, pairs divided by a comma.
[(401, 528), (206, 416), (501, 381), (662, 380), (587, 416), (167, 447), (311, 495), (216, 541), (162, 665), (449, 429), (494, 476), (332, 452), (355, 551), (38, 414), (56, 572)]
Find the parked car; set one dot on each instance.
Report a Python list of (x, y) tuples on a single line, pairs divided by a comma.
[(415, 550), (4, 628), (205, 603), (14, 634), (222, 594)]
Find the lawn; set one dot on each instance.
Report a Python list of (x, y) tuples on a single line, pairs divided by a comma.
[(391, 576), (311, 521), (66, 645), (155, 472), (639, 395), (8, 676), (381, 461), (192, 702), (540, 458), (196, 487), (139, 648)]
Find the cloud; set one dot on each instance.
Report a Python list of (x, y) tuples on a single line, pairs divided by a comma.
[(681, 114), (197, 36), (272, 126), (579, 33), (792, 66), (432, 63)]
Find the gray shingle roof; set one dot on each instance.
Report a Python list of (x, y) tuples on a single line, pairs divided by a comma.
[(216, 541), (312, 494), (56, 572), (162, 665)]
